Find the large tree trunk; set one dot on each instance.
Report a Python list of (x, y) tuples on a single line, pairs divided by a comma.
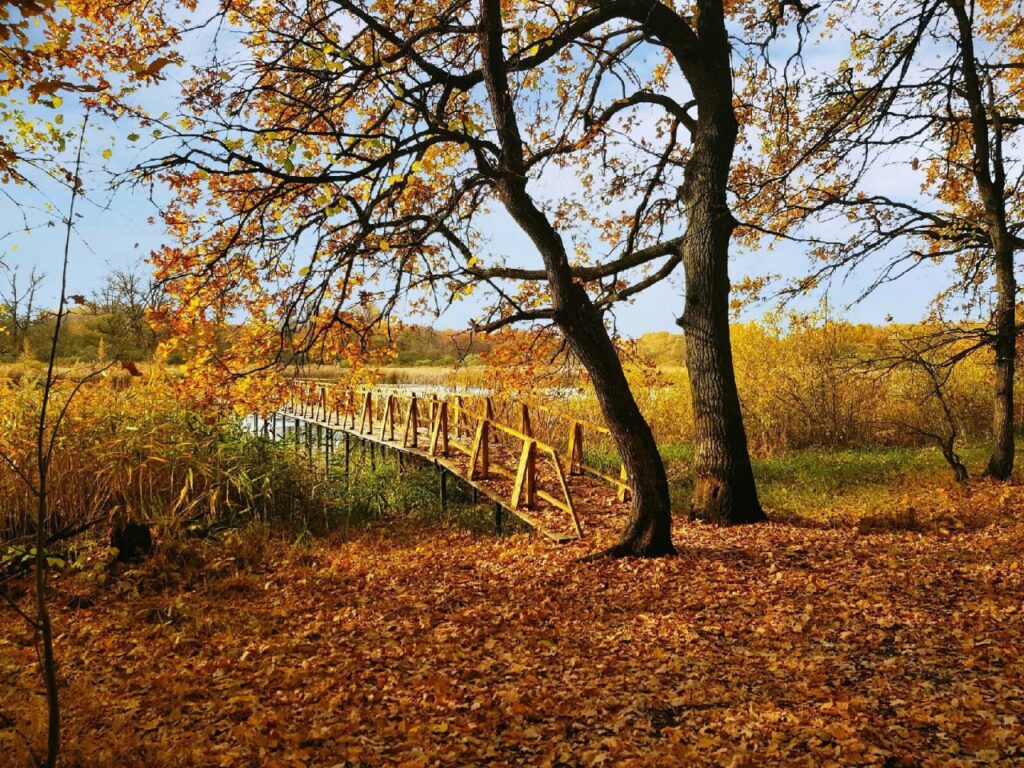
[(724, 489), (990, 176), (648, 533), (1000, 463)]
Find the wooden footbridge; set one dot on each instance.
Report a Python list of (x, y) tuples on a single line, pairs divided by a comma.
[(526, 457)]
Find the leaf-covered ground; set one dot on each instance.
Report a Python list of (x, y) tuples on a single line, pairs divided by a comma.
[(425, 644)]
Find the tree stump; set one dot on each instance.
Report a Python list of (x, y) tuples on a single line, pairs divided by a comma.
[(133, 541)]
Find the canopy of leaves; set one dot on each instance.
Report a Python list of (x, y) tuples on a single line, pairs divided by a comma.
[(52, 48), (342, 160)]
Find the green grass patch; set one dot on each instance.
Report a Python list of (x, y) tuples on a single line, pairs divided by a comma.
[(823, 485)]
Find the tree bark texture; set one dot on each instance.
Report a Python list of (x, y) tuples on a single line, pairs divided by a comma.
[(648, 533)]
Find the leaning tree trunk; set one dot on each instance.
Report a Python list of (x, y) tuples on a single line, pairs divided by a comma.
[(1000, 463), (724, 489), (648, 533)]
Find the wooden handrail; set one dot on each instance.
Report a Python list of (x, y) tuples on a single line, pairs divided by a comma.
[(313, 396), (525, 489)]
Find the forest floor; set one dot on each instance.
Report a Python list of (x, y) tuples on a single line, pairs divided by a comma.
[(421, 642)]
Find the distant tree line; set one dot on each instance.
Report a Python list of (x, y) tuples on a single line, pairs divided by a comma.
[(116, 320), (113, 321)]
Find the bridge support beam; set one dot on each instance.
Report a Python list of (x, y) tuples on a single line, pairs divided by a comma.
[(348, 451), (309, 446), (329, 452)]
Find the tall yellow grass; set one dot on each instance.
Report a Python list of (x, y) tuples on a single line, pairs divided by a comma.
[(815, 384), (132, 448)]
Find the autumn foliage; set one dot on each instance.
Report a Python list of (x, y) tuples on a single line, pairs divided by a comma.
[(96, 51), (331, 168), (427, 645)]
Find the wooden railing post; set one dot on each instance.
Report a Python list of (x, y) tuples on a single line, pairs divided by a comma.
[(623, 492), (444, 429), (525, 489), (485, 449), (412, 424), (568, 496), (366, 420), (480, 452), (460, 409), (388, 418), (524, 420), (575, 452), (439, 432)]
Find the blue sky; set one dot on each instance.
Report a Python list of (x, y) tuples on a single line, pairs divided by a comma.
[(119, 229), (115, 233)]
